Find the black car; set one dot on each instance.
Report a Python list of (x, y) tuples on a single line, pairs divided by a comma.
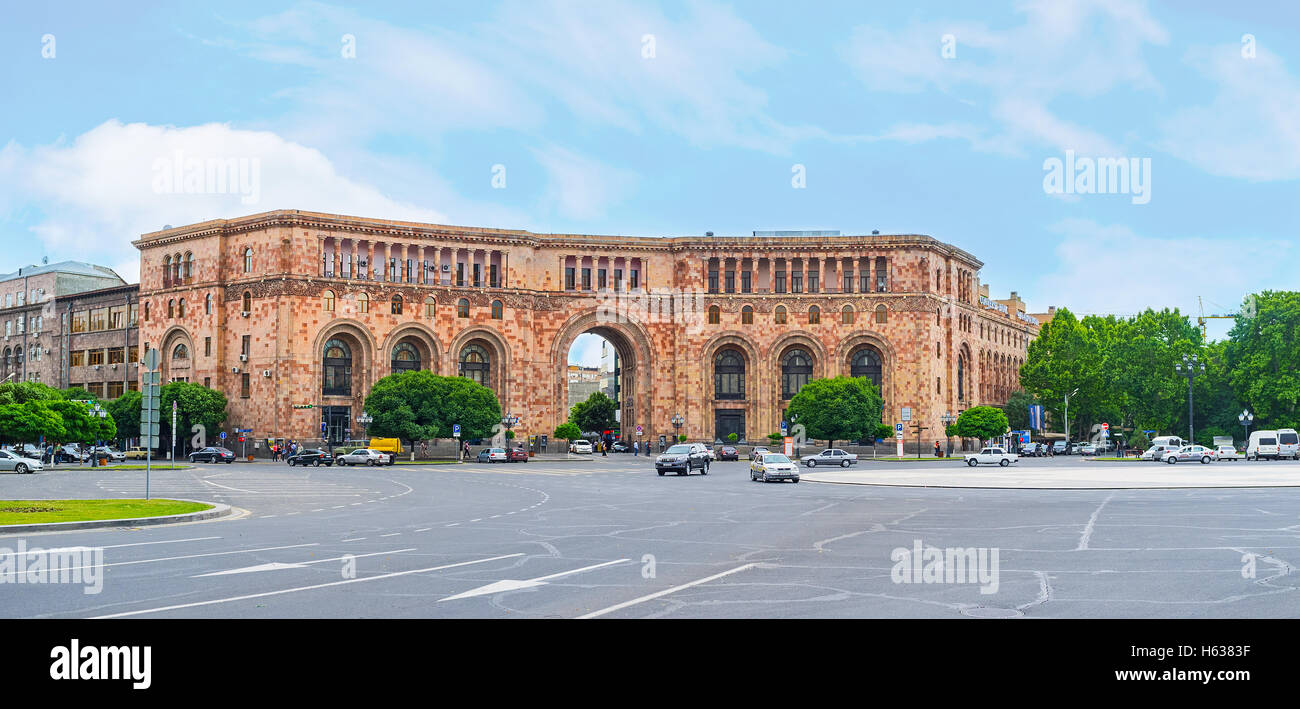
[(621, 447), (311, 456), (728, 453), (212, 454)]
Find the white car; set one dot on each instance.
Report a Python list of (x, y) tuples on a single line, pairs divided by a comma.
[(1190, 453), (19, 464), (991, 456), (580, 447), (773, 466), (364, 456), (1227, 453), (1088, 449)]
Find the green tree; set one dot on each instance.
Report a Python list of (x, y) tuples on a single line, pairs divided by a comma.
[(77, 394), (595, 414), (982, 422), (78, 425), (1263, 358), (196, 405), (22, 392), (1017, 409), (419, 405), (1065, 357), (568, 431), (28, 421), (125, 411), (837, 409), (733, 437)]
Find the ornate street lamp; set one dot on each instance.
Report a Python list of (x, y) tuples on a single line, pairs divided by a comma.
[(508, 422), (99, 412), (1190, 367), (948, 419), (1246, 418), (365, 419), (678, 420)]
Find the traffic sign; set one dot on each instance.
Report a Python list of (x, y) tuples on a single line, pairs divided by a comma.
[(1105, 427), (455, 430), (243, 430), (151, 359), (785, 428), (639, 430), (907, 413), (223, 435)]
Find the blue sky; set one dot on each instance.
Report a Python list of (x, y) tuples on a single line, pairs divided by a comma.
[(678, 118)]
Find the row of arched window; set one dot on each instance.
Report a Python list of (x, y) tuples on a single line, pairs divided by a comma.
[(780, 316), (397, 305), (796, 371), (474, 363), (177, 269)]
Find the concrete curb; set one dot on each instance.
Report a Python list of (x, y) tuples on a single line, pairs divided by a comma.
[(218, 510)]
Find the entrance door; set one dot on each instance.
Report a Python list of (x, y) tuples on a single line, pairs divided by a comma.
[(729, 421), (337, 422)]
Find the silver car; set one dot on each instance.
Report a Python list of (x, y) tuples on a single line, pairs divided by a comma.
[(1227, 453), (19, 464), (831, 456), (773, 466), (364, 456)]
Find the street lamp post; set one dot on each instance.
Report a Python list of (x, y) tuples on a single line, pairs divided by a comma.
[(365, 419), (509, 421), (794, 418), (1246, 418), (1067, 418), (678, 420), (96, 411), (948, 419), (1189, 368)]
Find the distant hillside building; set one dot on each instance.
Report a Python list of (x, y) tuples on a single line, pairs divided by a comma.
[(583, 382)]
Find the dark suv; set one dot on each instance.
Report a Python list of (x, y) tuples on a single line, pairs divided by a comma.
[(310, 456), (683, 457)]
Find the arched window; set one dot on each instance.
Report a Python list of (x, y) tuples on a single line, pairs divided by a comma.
[(146, 312), (779, 316), (814, 315), (248, 259), (881, 313), (8, 357), (176, 268), (715, 315), (363, 303), (796, 370), (246, 302), (207, 304), (462, 308), (867, 363), (729, 375), (171, 308), (327, 300), (961, 376), (405, 357), (180, 311), (430, 307), (475, 364), (498, 310), (397, 305), (167, 271), (337, 368), (846, 315), (181, 352), (747, 315), (189, 264), (18, 357)]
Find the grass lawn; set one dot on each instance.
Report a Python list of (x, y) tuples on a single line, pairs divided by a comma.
[(37, 511)]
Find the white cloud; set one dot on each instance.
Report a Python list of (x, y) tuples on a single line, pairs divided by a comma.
[(585, 350), (99, 191), (581, 187), (1112, 269), (1250, 128)]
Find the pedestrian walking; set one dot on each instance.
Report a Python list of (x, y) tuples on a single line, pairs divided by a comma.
[(938, 453), (604, 449)]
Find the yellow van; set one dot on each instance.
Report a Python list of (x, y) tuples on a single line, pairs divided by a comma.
[(386, 445)]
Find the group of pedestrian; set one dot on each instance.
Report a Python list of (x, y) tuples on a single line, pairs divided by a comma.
[(280, 452)]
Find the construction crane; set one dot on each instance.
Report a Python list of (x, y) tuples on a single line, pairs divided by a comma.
[(1203, 317)]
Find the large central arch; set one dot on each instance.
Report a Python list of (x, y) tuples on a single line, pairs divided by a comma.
[(636, 354)]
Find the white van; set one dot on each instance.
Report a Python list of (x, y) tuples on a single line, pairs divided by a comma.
[(1288, 444), (1160, 445), (1262, 444)]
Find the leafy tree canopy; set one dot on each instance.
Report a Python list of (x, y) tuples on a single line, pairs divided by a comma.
[(568, 431), (419, 405), (982, 422), (837, 409)]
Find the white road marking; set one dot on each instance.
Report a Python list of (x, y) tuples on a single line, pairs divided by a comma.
[(236, 489), (356, 539), (516, 584), (276, 565), (197, 556), (117, 546), (665, 592), (424, 530), (394, 534), (307, 588), (1087, 531)]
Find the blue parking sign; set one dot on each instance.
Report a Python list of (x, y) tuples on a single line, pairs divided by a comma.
[(455, 430)]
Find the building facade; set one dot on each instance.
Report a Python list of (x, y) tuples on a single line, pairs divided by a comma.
[(294, 315), (50, 312)]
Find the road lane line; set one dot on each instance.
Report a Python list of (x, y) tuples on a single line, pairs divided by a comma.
[(424, 530), (665, 592), (307, 588), (255, 492), (197, 556), (118, 546), (297, 564)]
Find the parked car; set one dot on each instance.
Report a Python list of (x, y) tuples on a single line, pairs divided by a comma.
[(517, 455), (492, 455), (70, 454), (831, 456), (621, 447), (684, 457), (1190, 453), (19, 464), (1060, 448), (212, 454), (773, 466), (136, 453), (112, 454), (757, 452), (1088, 449), (1227, 453), (1262, 444), (728, 453), (364, 456), (991, 455), (1158, 452), (580, 446), (1288, 443), (311, 456)]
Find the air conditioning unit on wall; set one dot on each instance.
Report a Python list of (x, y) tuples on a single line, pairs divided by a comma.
[(243, 313), (266, 372), (235, 370), (243, 358)]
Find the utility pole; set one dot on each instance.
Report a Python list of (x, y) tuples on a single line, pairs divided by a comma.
[(918, 428), (1190, 367)]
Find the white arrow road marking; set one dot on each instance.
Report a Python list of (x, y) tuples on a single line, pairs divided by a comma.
[(196, 556), (664, 592), (308, 588), (236, 489), (277, 565), (515, 584)]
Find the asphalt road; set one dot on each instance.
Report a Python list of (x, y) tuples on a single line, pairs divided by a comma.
[(610, 538)]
